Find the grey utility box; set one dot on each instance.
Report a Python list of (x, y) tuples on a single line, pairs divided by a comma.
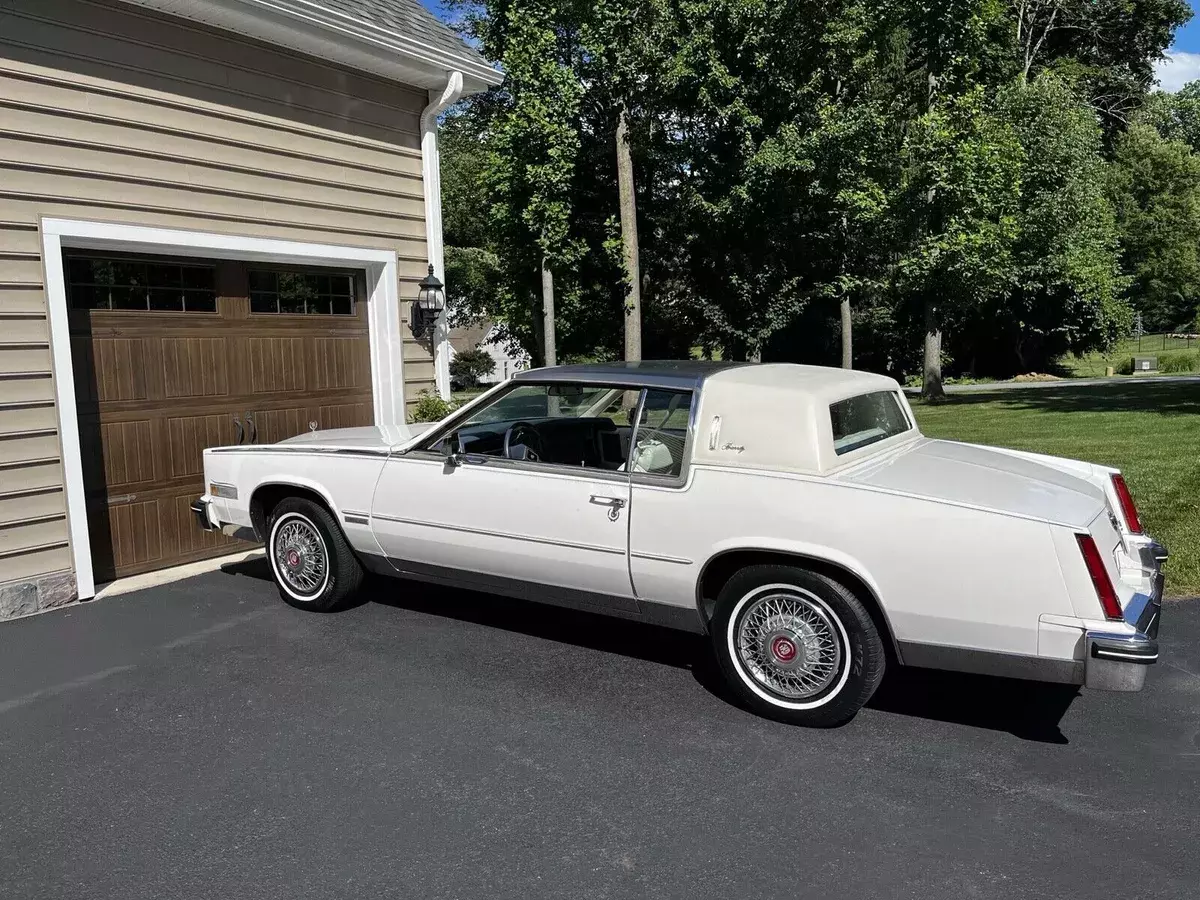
[(1145, 364)]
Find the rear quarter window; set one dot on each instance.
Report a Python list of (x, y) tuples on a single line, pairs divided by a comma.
[(866, 419)]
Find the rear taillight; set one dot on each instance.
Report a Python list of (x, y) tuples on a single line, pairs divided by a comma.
[(1100, 580), (1128, 510)]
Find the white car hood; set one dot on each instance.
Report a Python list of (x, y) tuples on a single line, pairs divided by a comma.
[(981, 477), (370, 437)]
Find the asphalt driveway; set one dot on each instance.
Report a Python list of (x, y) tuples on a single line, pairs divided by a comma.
[(204, 740)]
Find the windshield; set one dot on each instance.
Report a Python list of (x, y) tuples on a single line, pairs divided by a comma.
[(865, 419)]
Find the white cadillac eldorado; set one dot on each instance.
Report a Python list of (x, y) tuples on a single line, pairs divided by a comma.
[(794, 514)]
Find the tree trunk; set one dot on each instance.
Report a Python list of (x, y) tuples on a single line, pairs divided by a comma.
[(629, 242), (550, 359), (931, 382), (847, 336)]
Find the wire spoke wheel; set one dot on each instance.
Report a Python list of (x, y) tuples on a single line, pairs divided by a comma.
[(789, 644), (301, 559)]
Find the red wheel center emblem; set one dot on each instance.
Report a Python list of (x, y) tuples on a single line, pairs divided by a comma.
[(293, 559), (784, 649)]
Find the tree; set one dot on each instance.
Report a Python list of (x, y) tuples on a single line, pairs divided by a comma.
[(530, 164), (1064, 288), (895, 184), (1176, 116), (623, 41), (469, 366), (1155, 190), (960, 167)]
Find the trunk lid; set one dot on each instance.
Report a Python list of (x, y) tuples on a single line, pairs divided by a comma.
[(986, 478)]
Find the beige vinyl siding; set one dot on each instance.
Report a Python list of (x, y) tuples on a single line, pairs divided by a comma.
[(113, 113)]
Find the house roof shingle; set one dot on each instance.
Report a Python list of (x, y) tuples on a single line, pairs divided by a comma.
[(411, 19)]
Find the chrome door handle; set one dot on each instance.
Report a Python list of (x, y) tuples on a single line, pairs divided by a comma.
[(613, 502)]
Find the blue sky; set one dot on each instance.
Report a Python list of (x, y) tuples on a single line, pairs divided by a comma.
[(435, 7), (1183, 59), (1182, 65), (1187, 38)]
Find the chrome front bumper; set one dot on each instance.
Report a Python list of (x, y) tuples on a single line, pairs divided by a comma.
[(200, 508), (200, 511), (1117, 661)]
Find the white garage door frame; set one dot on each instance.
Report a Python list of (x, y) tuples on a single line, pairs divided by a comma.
[(383, 321)]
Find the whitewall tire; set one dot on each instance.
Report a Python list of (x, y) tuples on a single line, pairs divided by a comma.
[(313, 565), (796, 645)]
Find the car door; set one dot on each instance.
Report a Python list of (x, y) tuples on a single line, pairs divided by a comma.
[(539, 527)]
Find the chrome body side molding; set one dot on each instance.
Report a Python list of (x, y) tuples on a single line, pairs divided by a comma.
[(500, 534), (989, 662), (675, 617)]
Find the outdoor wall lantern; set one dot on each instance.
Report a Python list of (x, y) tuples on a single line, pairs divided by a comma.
[(431, 300)]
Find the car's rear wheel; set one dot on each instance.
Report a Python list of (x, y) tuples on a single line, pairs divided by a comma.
[(313, 565), (796, 645)]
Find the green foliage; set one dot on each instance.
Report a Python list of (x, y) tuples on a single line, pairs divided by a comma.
[(531, 149), (1175, 116), (468, 366), (1155, 189), (1062, 291), (430, 408), (472, 283), (1177, 362), (790, 154)]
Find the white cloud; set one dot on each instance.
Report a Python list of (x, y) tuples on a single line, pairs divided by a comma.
[(1177, 70)]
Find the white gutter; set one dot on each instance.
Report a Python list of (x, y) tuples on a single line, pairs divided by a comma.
[(313, 28), (431, 177)]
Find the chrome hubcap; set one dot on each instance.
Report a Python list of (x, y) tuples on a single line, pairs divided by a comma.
[(300, 556), (788, 643)]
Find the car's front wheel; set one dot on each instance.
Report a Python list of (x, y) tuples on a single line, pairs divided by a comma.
[(313, 565), (796, 645)]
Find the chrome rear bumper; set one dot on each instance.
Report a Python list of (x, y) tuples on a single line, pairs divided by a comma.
[(1118, 661)]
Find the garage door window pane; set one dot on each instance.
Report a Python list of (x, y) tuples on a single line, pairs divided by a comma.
[(199, 301), (166, 300), (123, 283), (301, 293)]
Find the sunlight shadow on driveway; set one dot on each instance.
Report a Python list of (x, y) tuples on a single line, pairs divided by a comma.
[(1029, 710), (1025, 709)]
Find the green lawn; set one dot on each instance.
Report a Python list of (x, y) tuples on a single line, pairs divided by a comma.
[(1093, 365), (1150, 431)]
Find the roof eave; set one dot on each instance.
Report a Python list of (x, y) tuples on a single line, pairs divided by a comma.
[(310, 28)]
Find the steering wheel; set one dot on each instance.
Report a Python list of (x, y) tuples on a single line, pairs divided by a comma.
[(525, 436)]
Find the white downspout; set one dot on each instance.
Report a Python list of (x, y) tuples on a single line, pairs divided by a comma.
[(431, 177)]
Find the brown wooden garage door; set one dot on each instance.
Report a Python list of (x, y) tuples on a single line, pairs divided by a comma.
[(170, 356)]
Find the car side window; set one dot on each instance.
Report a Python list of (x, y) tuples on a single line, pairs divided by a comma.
[(662, 433), (583, 425)]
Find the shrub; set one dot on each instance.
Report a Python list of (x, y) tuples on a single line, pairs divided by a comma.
[(430, 408), (468, 366), (1177, 362), (1124, 367)]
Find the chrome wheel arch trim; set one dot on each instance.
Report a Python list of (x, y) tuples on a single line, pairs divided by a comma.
[(802, 559)]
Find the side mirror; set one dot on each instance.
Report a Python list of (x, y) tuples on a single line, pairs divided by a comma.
[(452, 449)]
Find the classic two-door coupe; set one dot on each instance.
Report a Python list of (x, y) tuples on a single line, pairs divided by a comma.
[(795, 514)]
